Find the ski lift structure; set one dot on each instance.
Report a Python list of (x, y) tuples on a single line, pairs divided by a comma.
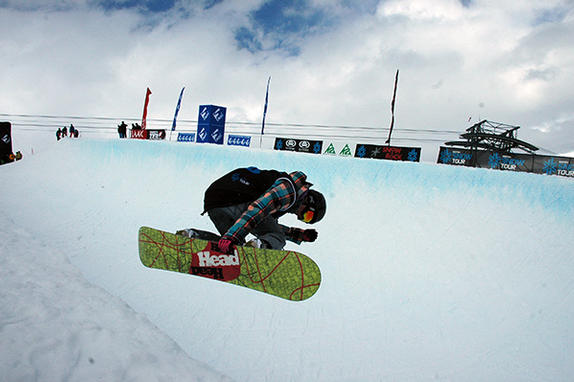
[(492, 136)]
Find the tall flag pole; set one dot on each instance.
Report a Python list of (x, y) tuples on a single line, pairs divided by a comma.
[(264, 112), (388, 142), (176, 112), (147, 94)]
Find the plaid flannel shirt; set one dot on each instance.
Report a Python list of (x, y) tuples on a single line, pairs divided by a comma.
[(278, 198)]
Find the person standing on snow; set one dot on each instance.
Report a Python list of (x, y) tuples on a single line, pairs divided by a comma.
[(249, 200), (122, 129)]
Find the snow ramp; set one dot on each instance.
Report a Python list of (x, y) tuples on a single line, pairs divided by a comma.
[(430, 272)]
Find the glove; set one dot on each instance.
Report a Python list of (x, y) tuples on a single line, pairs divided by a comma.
[(309, 235), (226, 245)]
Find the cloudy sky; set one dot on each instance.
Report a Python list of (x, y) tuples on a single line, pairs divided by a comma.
[(332, 62)]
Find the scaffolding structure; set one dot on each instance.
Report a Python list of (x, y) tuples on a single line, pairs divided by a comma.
[(493, 136)]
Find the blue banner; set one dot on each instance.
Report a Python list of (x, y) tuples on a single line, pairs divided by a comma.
[(211, 124), (239, 140), (265, 107), (186, 137), (538, 164), (177, 109)]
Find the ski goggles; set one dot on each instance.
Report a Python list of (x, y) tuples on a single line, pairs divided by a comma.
[(308, 216)]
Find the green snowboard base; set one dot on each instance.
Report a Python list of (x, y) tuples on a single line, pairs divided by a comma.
[(286, 274)]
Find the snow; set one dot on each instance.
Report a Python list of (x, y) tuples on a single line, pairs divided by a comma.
[(430, 272)]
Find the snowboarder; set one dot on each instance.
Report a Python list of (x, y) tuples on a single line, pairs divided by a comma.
[(249, 200)]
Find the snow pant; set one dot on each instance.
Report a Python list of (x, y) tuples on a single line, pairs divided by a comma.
[(269, 231)]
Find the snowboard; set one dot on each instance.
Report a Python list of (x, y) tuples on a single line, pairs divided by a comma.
[(285, 274)]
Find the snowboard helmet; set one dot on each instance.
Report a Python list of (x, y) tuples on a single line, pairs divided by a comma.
[(313, 208)]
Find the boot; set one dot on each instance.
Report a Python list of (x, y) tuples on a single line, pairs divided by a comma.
[(186, 232)]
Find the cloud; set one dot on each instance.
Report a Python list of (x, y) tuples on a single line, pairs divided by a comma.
[(284, 26), (423, 9), (556, 14), (331, 62)]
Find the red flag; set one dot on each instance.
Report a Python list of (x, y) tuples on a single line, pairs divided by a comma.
[(147, 94)]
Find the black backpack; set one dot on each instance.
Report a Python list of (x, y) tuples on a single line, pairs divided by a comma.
[(240, 186)]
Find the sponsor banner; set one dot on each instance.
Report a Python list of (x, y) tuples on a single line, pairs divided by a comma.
[(239, 140), (138, 134), (562, 166), (156, 134), (5, 139), (210, 134), (344, 152), (299, 145), (510, 162), (211, 124), (265, 107), (177, 109), (455, 156), (330, 150), (411, 154), (186, 137), (539, 164)]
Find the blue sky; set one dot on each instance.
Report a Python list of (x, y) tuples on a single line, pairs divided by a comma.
[(279, 19), (288, 21), (153, 6), (282, 19), (149, 6), (331, 62)]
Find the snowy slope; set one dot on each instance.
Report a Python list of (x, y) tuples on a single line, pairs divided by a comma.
[(55, 326), (429, 272)]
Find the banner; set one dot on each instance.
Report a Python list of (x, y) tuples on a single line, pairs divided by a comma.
[(455, 156), (177, 109), (393, 108), (411, 154), (156, 135), (138, 134), (299, 145), (211, 124), (538, 164), (186, 137), (344, 152), (147, 94), (265, 107), (5, 139), (239, 140)]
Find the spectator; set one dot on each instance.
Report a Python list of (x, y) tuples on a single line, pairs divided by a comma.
[(122, 129), (59, 134)]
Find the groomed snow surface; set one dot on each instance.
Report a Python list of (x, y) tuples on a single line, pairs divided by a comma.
[(430, 272)]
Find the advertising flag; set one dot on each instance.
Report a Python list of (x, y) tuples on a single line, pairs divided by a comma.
[(265, 108), (393, 108), (147, 94), (177, 109)]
